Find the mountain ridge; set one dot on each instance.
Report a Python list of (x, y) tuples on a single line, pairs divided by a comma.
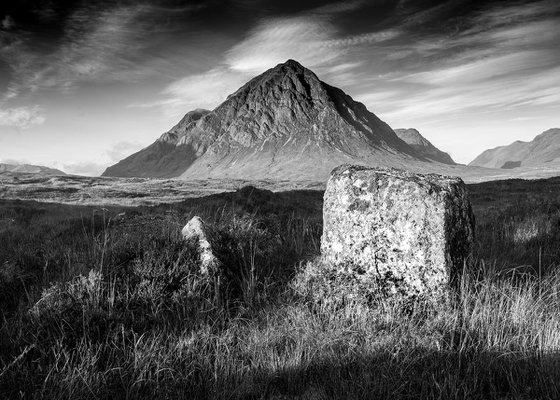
[(423, 146), (542, 150), (28, 169), (282, 124)]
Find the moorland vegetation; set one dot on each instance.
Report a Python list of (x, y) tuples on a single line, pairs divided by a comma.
[(108, 303)]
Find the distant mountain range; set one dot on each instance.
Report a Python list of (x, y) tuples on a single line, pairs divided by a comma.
[(28, 169), (543, 150), (283, 124)]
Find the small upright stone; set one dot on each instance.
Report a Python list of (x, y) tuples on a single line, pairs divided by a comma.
[(197, 231), (406, 233)]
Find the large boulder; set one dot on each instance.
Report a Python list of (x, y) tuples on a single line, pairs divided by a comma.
[(406, 234), (203, 237)]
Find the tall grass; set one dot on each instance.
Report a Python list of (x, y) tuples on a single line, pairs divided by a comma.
[(122, 311)]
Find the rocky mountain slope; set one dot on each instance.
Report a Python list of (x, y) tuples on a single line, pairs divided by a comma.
[(28, 169), (423, 146), (543, 150), (283, 124)]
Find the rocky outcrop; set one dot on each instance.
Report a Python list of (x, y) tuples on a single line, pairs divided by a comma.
[(423, 146), (283, 124), (407, 234), (203, 237)]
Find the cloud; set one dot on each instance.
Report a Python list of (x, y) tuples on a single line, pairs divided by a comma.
[(122, 150), (485, 69), (13, 161), (96, 166), (276, 40), (204, 90), (366, 38), (496, 84), (342, 7), (87, 168), (100, 41), (22, 117), (98, 44), (441, 35), (273, 41), (506, 60), (523, 12), (425, 66)]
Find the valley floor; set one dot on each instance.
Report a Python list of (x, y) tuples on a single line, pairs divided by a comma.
[(83, 190), (108, 303)]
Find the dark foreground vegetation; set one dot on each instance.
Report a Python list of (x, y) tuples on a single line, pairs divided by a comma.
[(108, 303)]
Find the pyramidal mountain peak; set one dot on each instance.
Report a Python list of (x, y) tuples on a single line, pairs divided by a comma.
[(283, 124)]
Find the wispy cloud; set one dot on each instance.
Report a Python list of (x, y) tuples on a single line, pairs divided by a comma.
[(205, 90), (507, 60), (87, 168), (95, 43), (122, 150), (408, 61), (341, 7), (514, 13), (22, 117), (99, 44), (13, 161), (484, 69), (95, 165), (490, 85), (275, 40), (365, 38), (271, 42)]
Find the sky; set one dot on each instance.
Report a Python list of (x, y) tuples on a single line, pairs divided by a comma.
[(84, 84)]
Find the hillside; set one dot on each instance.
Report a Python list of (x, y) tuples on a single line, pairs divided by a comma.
[(543, 150), (28, 169), (283, 124), (423, 146)]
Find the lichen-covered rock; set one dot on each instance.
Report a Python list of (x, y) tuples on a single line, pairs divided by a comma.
[(203, 237), (407, 234)]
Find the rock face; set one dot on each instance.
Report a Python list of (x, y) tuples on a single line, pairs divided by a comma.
[(543, 150), (283, 124), (197, 231), (423, 146), (408, 234)]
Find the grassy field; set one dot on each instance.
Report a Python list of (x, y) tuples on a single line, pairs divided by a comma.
[(108, 303)]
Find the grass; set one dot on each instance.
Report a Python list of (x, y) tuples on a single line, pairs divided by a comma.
[(108, 303)]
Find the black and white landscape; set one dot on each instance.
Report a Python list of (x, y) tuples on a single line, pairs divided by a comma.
[(260, 199)]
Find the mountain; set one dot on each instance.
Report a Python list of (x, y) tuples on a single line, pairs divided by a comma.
[(423, 146), (28, 169), (170, 155), (543, 150), (283, 124)]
